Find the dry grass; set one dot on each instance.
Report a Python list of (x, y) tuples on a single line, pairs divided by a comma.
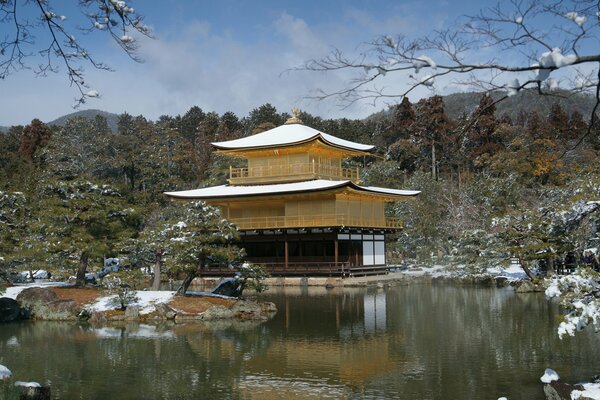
[(197, 305), (81, 296)]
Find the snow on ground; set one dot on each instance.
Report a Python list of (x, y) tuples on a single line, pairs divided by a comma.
[(591, 391), (514, 272), (13, 292), (435, 271), (146, 301)]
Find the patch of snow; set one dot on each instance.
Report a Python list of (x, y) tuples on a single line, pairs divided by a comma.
[(578, 19), (434, 271), (317, 184), (4, 373), (427, 80), (512, 88), (590, 391), (513, 272), (28, 384), (555, 59), (92, 93), (146, 299), (423, 61), (13, 291), (37, 274), (289, 134), (550, 375)]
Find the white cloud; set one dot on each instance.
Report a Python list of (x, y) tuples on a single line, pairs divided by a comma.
[(215, 70)]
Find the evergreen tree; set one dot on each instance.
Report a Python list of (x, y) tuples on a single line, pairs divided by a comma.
[(79, 221), (204, 238)]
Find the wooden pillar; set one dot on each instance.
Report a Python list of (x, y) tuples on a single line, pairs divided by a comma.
[(286, 252), (336, 250)]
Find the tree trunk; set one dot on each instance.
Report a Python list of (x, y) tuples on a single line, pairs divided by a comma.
[(433, 174), (550, 266), (187, 281), (525, 268), (83, 264), (156, 281)]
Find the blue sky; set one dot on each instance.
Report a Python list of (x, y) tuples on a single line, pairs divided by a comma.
[(227, 56)]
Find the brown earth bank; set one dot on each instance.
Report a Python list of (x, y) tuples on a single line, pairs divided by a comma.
[(73, 303)]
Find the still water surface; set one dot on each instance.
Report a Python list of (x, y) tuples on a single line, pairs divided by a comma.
[(406, 342)]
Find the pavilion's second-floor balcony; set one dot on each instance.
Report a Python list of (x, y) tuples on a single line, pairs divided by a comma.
[(290, 173), (316, 221)]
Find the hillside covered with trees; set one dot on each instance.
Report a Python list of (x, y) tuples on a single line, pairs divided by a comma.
[(494, 186)]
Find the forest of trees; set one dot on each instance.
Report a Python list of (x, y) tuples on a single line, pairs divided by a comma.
[(494, 187)]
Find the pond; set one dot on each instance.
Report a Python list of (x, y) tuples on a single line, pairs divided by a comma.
[(405, 342)]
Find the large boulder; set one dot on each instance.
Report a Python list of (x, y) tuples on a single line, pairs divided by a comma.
[(217, 312), (64, 306), (43, 303), (250, 310), (231, 287), (529, 287), (557, 390), (33, 391), (9, 310), (165, 311), (35, 295), (132, 312)]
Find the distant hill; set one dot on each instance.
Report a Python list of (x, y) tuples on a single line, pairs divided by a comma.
[(4, 129), (527, 100), (111, 118)]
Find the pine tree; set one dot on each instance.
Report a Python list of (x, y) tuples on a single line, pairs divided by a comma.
[(204, 237)]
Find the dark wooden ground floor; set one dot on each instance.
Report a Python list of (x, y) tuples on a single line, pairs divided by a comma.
[(315, 252)]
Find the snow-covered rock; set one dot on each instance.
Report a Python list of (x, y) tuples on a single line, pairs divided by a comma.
[(550, 375), (5, 373), (28, 384), (590, 391)]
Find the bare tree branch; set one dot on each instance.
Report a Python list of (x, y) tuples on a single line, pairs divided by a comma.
[(49, 41), (533, 44)]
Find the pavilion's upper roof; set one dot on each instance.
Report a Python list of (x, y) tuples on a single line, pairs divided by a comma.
[(318, 185), (289, 135)]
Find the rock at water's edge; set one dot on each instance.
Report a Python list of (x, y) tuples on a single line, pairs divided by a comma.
[(36, 294), (529, 287), (10, 310), (557, 390)]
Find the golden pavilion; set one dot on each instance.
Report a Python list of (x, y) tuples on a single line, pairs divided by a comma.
[(298, 210)]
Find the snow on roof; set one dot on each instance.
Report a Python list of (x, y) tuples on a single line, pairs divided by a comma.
[(306, 186), (286, 135)]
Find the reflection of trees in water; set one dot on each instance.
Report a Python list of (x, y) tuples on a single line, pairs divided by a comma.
[(467, 336), (416, 341), (128, 361)]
